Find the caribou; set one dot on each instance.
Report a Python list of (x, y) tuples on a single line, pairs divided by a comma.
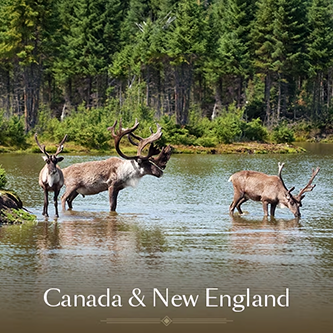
[(270, 190), (114, 173), (51, 178)]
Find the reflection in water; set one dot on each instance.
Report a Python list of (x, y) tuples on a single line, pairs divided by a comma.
[(239, 221), (176, 233), (267, 236)]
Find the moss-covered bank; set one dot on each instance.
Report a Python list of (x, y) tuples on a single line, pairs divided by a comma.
[(241, 148), (233, 148), (11, 209)]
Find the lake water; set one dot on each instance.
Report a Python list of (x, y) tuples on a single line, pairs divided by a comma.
[(171, 233)]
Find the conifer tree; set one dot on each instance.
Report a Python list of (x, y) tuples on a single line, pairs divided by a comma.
[(320, 46), (233, 45), (228, 62), (91, 40), (26, 42), (263, 42), (186, 43), (289, 54)]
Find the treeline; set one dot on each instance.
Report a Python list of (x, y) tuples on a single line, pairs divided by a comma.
[(271, 59)]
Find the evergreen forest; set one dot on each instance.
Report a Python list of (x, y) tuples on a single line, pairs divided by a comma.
[(209, 71)]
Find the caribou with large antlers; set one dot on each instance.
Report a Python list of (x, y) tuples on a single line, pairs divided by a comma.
[(271, 190), (114, 173), (51, 178)]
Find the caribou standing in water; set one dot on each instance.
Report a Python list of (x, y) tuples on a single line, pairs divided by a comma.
[(271, 190), (114, 173), (51, 178)]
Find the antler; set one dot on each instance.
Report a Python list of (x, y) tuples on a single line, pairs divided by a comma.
[(61, 145), (117, 137), (281, 165), (41, 147), (142, 143), (59, 149), (309, 187)]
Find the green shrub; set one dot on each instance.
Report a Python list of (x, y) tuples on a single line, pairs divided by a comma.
[(87, 127), (202, 127), (15, 131), (255, 131), (12, 131), (206, 141), (227, 128), (174, 133), (283, 134), (3, 178)]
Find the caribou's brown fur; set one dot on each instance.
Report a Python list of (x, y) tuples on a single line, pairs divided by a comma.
[(114, 173), (270, 190)]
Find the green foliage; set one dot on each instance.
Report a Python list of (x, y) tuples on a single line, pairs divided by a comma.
[(255, 131), (16, 216), (283, 134), (321, 36), (87, 127), (15, 131), (206, 142), (12, 131), (91, 30), (174, 133), (3, 178), (228, 128), (187, 36), (145, 59)]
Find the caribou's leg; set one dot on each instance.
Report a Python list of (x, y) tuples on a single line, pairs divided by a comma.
[(236, 202), (241, 201), (46, 202), (70, 199), (56, 194), (265, 207), (273, 207), (69, 195), (113, 195)]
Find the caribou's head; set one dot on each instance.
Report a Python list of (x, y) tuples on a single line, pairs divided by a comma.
[(52, 160), (295, 202), (150, 165)]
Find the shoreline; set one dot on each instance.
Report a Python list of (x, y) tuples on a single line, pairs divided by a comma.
[(233, 148)]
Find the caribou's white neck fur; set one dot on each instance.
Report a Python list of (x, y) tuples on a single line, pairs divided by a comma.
[(130, 172), (50, 179)]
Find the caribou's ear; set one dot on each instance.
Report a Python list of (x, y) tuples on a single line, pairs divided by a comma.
[(45, 158), (59, 159)]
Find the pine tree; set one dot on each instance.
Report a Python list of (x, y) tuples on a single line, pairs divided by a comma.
[(25, 42), (233, 45), (5, 61), (228, 57), (320, 48), (263, 42), (289, 55), (185, 46), (92, 38), (137, 11)]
